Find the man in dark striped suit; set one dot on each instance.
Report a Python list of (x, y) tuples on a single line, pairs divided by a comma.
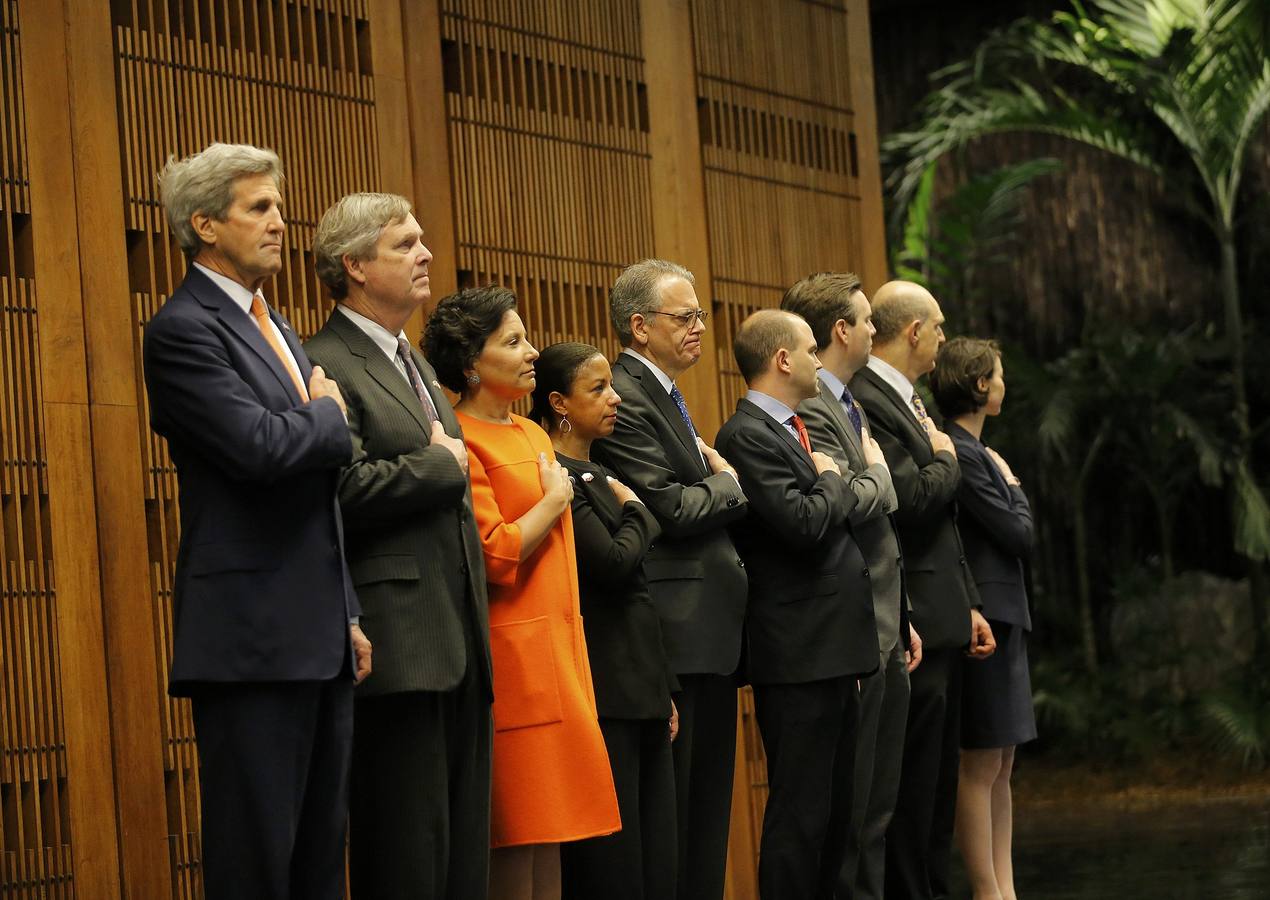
[(421, 746)]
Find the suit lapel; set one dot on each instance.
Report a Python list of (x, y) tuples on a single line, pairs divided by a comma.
[(378, 367), (781, 432), (241, 323), (906, 410), (661, 399), (843, 423), (440, 401)]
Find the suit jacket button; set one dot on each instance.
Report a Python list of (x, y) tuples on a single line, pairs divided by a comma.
[(962, 560), (731, 501), (865, 573), (741, 563), (463, 568)]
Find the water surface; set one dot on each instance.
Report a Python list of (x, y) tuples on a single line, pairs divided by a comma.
[(1218, 850)]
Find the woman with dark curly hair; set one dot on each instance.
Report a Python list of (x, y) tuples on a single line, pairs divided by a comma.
[(996, 529), (575, 401), (551, 779)]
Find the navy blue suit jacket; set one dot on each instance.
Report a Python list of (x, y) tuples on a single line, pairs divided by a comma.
[(262, 592), (996, 530)]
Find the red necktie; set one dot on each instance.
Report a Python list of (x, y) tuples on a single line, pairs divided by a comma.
[(802, 434)]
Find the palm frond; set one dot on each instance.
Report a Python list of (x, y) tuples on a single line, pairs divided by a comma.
[(1239, 727), (1252, 514)]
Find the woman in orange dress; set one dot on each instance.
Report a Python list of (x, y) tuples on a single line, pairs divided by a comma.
[(552, 781)]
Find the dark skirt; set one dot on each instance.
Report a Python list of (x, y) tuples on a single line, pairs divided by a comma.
[(996, 699)]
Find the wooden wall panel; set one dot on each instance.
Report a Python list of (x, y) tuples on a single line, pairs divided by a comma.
[(548, 127), (547, 144), (33, 849)]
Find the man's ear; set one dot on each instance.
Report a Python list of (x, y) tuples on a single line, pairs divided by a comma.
[(782, 360), (639, 330), (203, 227), (911, 332), (842, 331), (353, 269)]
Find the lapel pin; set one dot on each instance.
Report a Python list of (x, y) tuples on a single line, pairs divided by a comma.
[(587, 476)]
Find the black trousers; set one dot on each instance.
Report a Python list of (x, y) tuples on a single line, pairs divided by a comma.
[(274, 777), (919, 842), (638, 862), (879, 754), (809, 736), (420, 811), (704, 756)]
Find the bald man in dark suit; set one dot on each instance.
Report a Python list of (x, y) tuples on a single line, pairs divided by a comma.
[(945, 602)]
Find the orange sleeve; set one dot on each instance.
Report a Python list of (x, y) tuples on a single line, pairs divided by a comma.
[(500, 539)]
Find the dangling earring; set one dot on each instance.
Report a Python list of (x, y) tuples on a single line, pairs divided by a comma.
[(474, 379), (565, 426)]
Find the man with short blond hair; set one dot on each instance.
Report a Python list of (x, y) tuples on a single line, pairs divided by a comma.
[(421, 748), (263, 644)]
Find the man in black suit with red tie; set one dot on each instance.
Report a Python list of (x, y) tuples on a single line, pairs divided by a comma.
[(265, 642), (809, 626), (923, 463)]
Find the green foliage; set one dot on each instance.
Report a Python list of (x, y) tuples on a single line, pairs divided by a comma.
[(1152, 81), (946, 248), (1239, 725)]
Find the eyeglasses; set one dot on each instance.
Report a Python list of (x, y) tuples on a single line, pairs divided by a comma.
[(685, 319)]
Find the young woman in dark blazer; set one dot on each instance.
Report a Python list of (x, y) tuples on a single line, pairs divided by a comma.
[(575, 402), (996, 530)]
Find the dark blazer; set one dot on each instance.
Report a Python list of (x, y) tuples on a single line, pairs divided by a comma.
[(871, 521), (696, 579), (996, 528), (810, 613), (261, 592), (412, 544), (940, 586), (623, 631)]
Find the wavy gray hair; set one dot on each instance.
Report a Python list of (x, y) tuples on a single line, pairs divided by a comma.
[(204, 183), (351, 228), (638, 290)]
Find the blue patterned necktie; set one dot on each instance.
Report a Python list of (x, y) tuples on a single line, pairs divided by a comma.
[(919, 408), (683, 409), (416, 381), (852, 412)]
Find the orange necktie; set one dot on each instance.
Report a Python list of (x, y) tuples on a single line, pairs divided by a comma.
[(261, 315)]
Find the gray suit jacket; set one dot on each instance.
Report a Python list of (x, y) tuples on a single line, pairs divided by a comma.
[(411, 539), (831, 432)]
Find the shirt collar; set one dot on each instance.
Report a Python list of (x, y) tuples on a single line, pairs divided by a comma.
[(894, 377), (662, 377), (238, 293), (384, 339), (770, 405), (832, 382)]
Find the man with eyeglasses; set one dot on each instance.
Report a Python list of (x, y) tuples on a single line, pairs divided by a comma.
[(696, 579)]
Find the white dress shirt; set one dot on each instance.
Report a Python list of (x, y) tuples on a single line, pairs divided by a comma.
[(241, 296), (897, 380), (384, 339)]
